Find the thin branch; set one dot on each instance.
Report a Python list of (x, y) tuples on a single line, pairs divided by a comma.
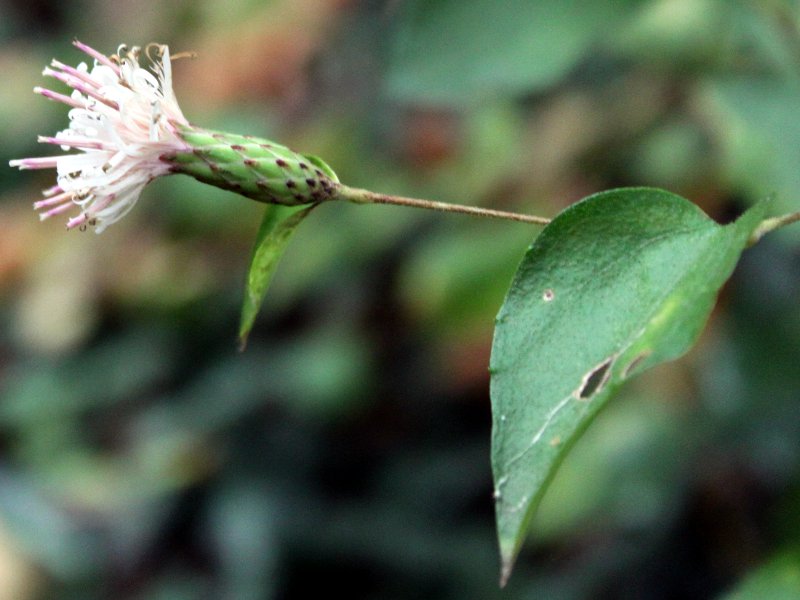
[(772, 224), (360, 196)]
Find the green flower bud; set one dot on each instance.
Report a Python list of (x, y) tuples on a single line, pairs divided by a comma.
[(253, 167)]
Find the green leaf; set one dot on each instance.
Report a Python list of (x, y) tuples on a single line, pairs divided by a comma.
[(456, 52), (778, 579), (617, 283), (273, 236)]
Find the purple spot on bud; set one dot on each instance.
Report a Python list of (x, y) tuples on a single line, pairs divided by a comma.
[(281, 163), (237, 147)]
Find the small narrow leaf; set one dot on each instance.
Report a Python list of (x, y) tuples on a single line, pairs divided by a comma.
[(273, 236), (617, 283)]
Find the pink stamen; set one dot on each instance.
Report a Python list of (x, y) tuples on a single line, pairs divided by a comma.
[(51, 95), (76, 73), (73, 142), (74, 222), (45, 162), (56, 189), (56, 211), (63, 197), (101, 58), (78, 85), (103, 202)]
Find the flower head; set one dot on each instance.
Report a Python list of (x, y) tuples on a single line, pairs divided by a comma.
[(123, 118)]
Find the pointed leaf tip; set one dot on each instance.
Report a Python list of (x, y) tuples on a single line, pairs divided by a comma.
[(505, 571)]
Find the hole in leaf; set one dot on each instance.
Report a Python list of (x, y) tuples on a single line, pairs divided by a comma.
[(548, 295), (635, 363), (595, 380)]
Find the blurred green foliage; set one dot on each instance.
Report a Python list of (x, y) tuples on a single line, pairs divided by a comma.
[(348, 449)]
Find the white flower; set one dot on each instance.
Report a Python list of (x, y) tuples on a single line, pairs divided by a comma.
[(123, 119)]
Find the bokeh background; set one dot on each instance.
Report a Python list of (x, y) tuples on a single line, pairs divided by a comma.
[(346, 452)]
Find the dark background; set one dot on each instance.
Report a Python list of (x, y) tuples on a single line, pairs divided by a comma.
[(347, 450)]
